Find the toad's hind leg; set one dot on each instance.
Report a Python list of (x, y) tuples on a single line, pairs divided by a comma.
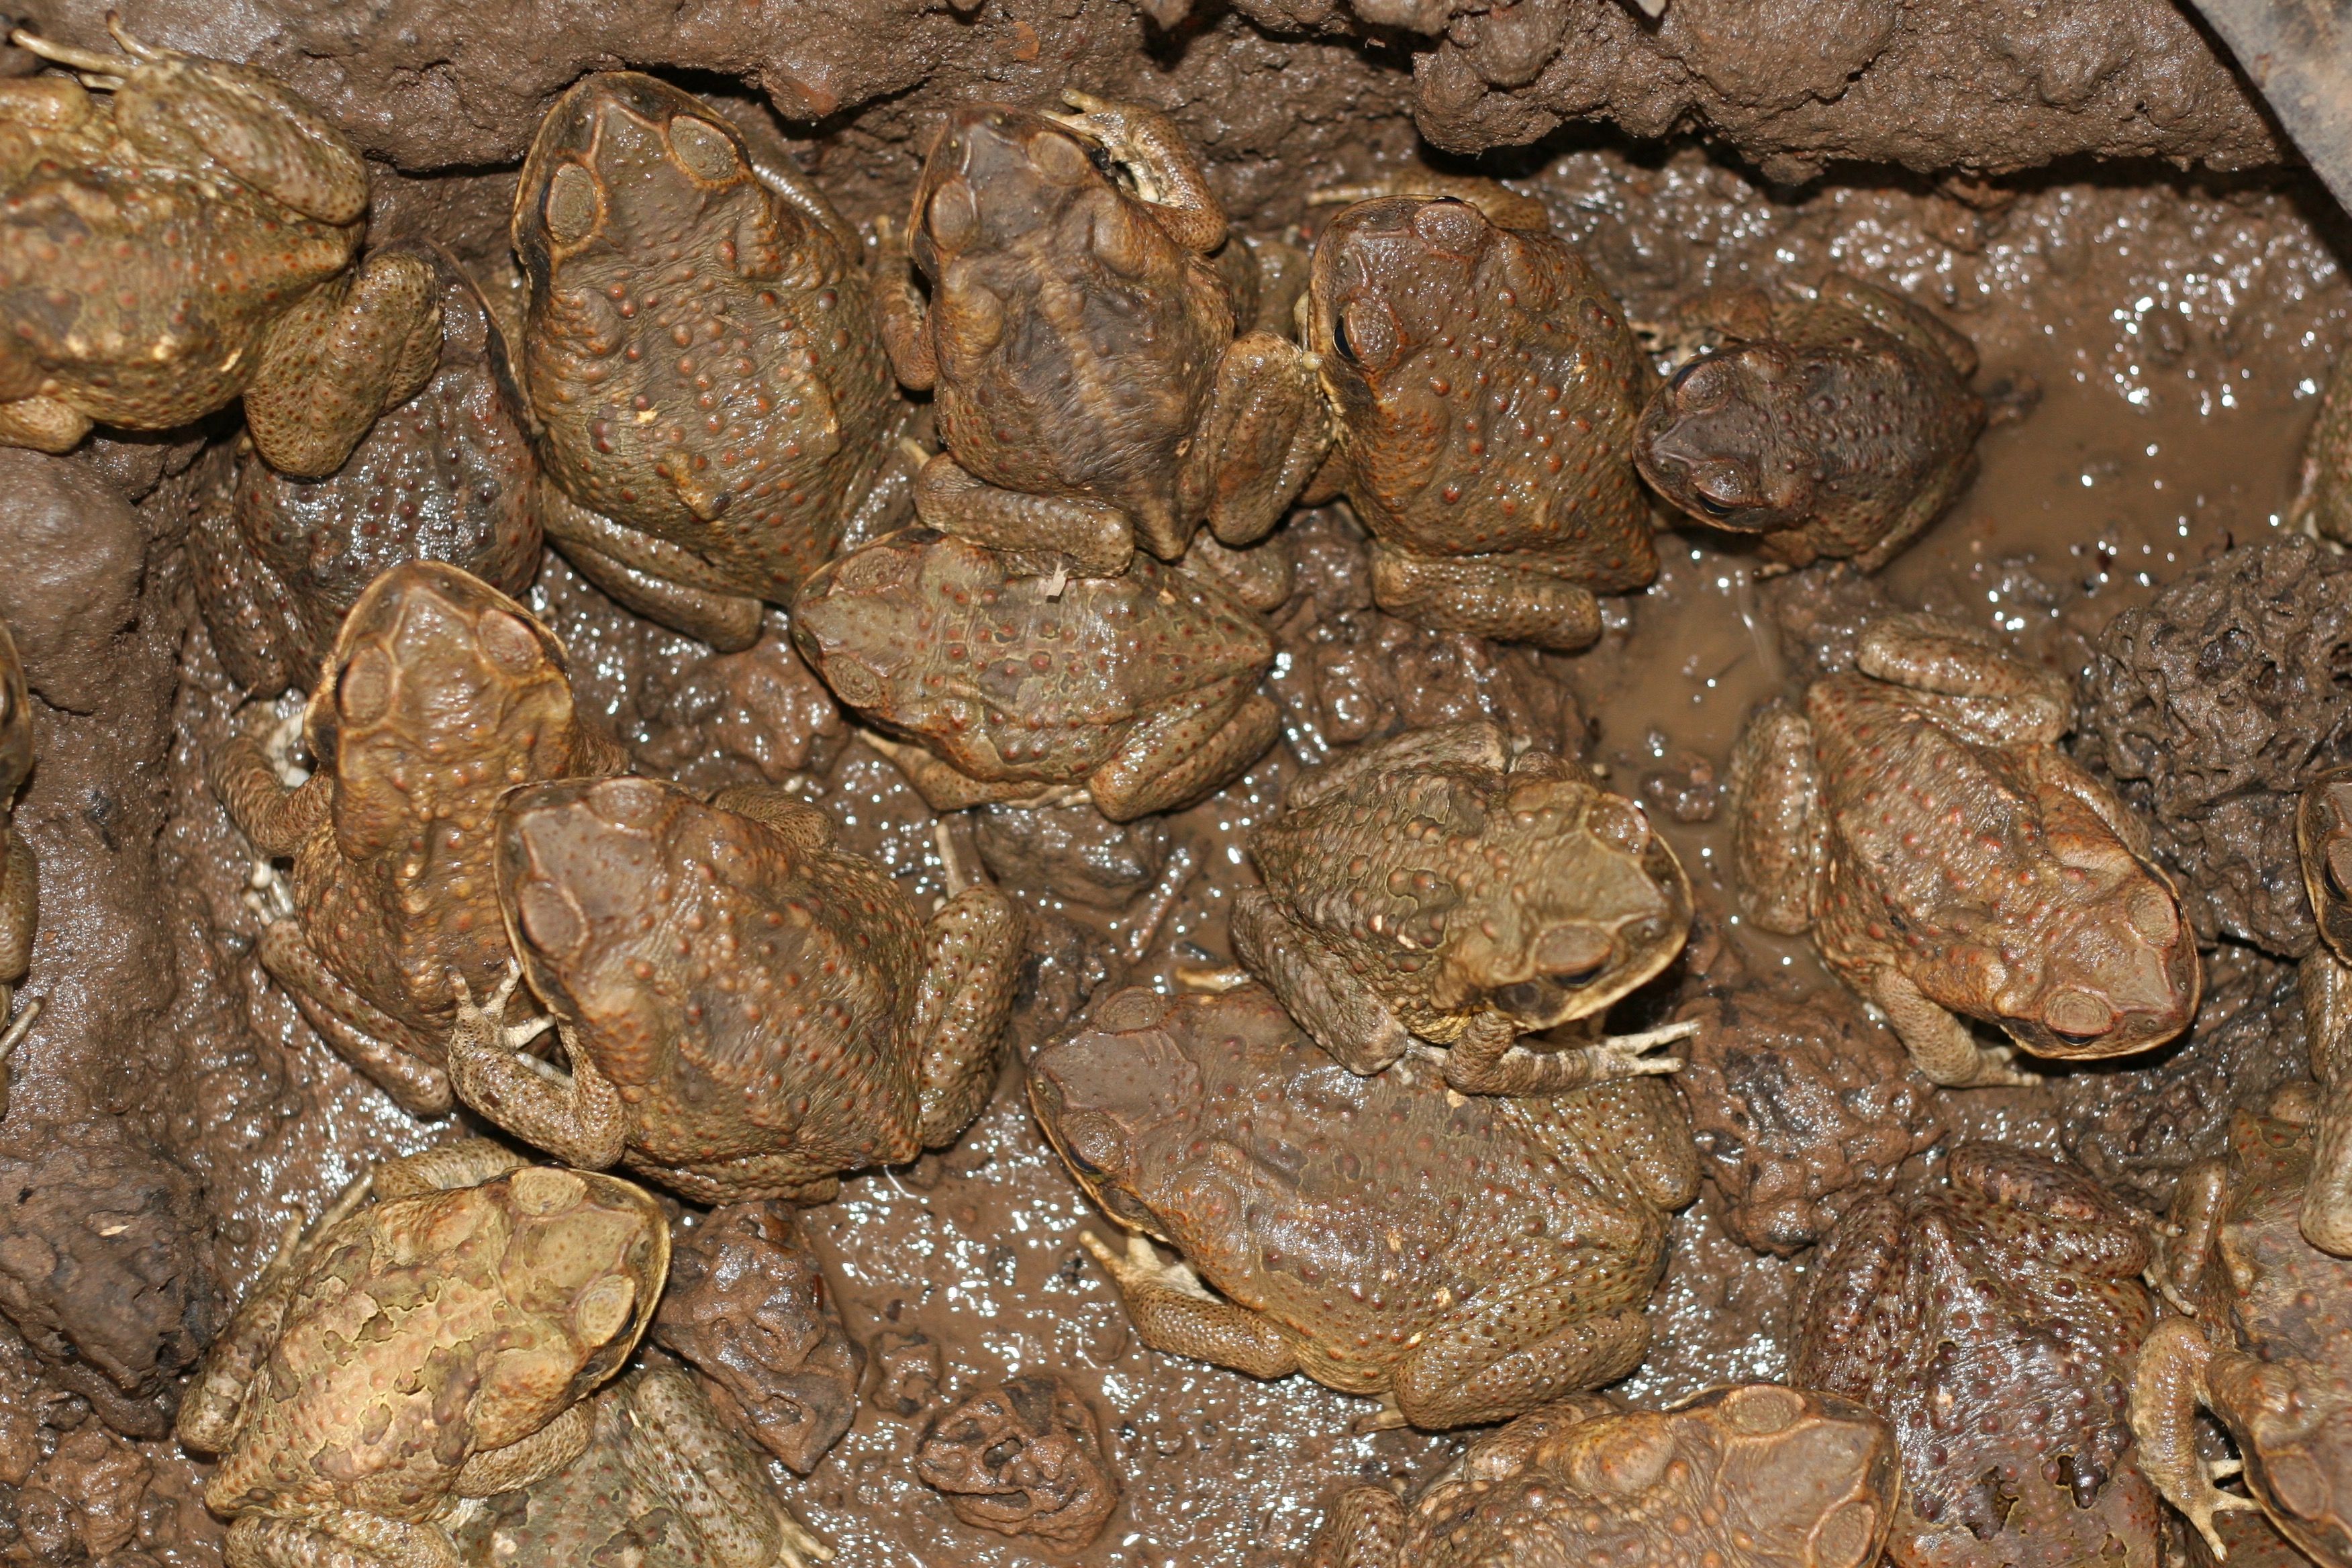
[(674, 1445), (1097, 538), (972, 961), (1329, 1001), (341, 1539), (1521, 1350), (1364, 1528), (381, 1048), (651, 576), (1175, 1314), (353, 348), (1262, 437), (1182, 753), (42, 423), (1508, 598), (1938, 1040), (2167, 1379), (1989, 691), (1780, 841)]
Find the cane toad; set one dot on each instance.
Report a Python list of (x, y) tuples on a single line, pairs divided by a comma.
[(2323, 832), (433, 1345), (1992, 1323), (1022, 685), (747, 1011), (185, 238), (2267, 1350), (446, 475), (1483, 390), (20, 873), (1837, 425), (1468, 1257), (1080, 346), (699, 347), (1447, 887), (662, 1484), (440, 694), (1753, 1477), (1917, 815)]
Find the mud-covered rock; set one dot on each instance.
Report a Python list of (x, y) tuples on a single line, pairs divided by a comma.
[(1024, 1459), (2137, 1122), (748, 1308), (1350, 673), (759, 716), (1071, 849), (2210, 707), (76, 556), (1800, 1107)]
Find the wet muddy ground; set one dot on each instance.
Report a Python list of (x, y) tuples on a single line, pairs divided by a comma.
[(2165, 338)]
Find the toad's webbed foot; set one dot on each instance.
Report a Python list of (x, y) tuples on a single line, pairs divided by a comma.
[(577, 1116), (1174, 1313), (1488, 1059)]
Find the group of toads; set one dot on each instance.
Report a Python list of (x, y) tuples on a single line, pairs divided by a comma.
[(1391, 1146)]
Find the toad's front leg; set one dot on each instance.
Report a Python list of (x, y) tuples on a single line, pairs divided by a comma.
[(577, 1116), (1175, 1314), (1487, 1058), (1507, 598), (2168, 1383), (1264, 434), (1096, 538), (1328, 1000), (356, 347), (1939, 1040)]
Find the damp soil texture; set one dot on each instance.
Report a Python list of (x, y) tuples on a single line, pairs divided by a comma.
[(2155, 338)]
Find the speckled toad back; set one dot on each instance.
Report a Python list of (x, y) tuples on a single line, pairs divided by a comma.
[(1916, 816), (1753, 1477), (699, 345), (1466, 1257), (1483, 390)]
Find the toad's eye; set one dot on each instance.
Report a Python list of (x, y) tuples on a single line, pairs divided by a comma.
[(1709, 505), (1339, 336), (1366, 335), (1099, 156)]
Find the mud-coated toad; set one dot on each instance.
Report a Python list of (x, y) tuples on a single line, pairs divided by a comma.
[(1992, 1322), (1466, 1257), (440, 694), (1756, 1476), (1836, 425), (1080, 344), (2267, 1352), (1916, 816), (662, 1484), (185, 238), (1450, 888), (1483, 390), (747, 1011), (700, 349), (432, 1345), (446, 475), (1022, 683)]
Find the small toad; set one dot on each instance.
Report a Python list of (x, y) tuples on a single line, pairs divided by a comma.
[(701, 350), (1023, 684), (1992, 1322), (1079, 342), (446, 475), (2267, 1350), (747, 1011), (440, 694), (185, 238), (1466, 1258), (662, 1484), (1756, 1476), (1917, 817), (431, 1339), (1838, 426), (1449, 887), (1484, 389)]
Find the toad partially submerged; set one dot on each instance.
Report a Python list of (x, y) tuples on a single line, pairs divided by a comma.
[(1992, 1322), (1484, 389), (1024, 684), (1449, 888), (2269, 1351), (1838, 426), (440, 694), (747, 1011), (1079, 342), (185, 238), (1467, 1257), (1753, 1477), (699, 348), (433, 1344), (1916, 816)]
